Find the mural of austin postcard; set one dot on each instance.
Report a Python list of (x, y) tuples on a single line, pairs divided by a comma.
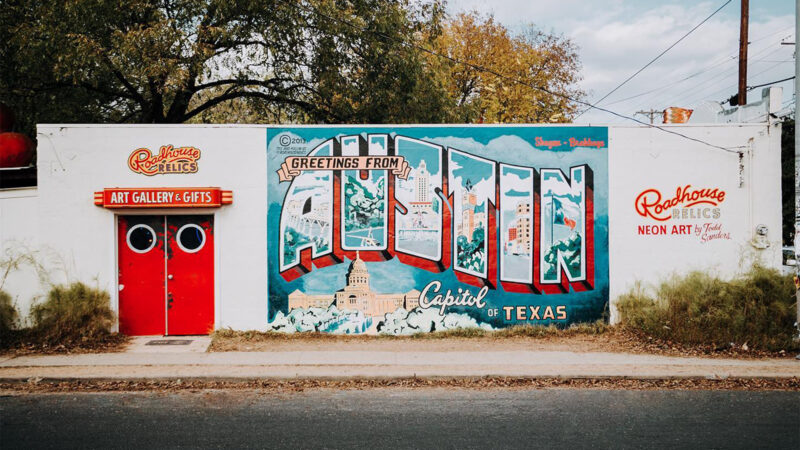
[(408, 229)]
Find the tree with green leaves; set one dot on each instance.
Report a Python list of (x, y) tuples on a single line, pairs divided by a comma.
[(173, 61)]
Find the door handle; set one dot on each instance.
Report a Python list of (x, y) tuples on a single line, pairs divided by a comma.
[(169, 277)]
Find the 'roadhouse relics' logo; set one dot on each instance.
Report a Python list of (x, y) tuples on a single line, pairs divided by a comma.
[(687, 203), (168, 160)]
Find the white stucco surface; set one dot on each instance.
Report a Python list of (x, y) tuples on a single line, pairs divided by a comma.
[(76, 240), (643, 158), (77, 160), (19, 216)]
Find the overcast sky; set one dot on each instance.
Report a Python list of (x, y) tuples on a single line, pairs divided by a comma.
[(617, 37)]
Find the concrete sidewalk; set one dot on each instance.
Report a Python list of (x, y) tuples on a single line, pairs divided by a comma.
[(377, 364)]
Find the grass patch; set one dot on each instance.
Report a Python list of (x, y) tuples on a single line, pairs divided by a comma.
[(73, 317), (455, 333), (755, 310), (538, 331), (262, 336), (517, 331)]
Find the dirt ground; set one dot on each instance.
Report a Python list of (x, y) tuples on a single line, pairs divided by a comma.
[(16, 346), (613, 341), (574, 344)]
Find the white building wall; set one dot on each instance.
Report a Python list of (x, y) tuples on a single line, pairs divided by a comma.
[(19, 232), (643, 158), (77, 160), (77, 240)]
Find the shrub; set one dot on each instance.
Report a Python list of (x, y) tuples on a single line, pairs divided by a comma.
[(756, 309), (520, 331), (8, 314), (472, 332), (72, 315)]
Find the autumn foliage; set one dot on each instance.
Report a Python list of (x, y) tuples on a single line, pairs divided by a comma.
[(502, 71)]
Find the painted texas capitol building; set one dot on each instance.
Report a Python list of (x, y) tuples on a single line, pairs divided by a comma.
[(357, 295)]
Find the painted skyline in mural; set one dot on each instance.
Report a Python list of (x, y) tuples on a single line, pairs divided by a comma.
[(420, 227), (516, 223)]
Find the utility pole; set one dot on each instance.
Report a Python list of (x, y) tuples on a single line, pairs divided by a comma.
[(652, 113), (742, 100), (797, 167)]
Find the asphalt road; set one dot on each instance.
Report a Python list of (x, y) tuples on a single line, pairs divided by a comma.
[(393, 418)]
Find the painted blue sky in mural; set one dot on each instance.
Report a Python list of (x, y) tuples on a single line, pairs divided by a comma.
[(414, 152), (471, 169)]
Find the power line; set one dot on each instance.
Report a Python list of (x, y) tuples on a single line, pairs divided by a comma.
[(697, 87), (714, 94), (692, 91), (657, 57), (651, 114), (723, 61), (772, 34), (661, 88), (750, 88), (700, 86), (499, 75), (778, 114)]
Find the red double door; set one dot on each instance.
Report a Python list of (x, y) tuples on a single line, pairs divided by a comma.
[(166, 274)]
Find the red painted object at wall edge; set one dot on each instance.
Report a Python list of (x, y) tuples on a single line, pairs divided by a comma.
[(16, 150)]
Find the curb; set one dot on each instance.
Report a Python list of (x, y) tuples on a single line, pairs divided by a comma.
[(386, 379)]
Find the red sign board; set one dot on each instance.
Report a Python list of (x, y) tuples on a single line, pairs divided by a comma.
[(208, 197)]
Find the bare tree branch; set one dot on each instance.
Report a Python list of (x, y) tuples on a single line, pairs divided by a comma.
[(249, 82), (248, 94)]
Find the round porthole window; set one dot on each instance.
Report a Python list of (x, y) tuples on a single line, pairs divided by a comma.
[(141, 238), (191, 238)]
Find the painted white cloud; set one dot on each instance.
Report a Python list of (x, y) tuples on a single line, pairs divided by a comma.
[(402, 322), (512, 181), (330, 320)]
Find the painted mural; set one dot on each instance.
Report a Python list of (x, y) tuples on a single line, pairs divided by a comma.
[(407, 229)]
